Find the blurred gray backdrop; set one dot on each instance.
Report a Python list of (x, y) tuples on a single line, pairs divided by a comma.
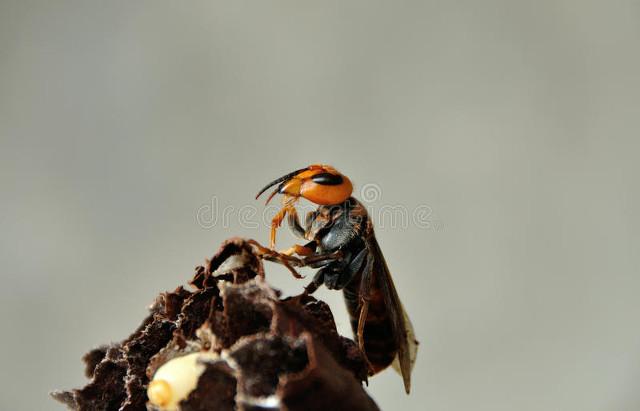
[(502, 135)]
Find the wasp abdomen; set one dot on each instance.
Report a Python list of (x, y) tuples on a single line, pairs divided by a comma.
[(380, 345)]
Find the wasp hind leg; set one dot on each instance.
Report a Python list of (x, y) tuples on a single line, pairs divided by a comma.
[(365, 295)]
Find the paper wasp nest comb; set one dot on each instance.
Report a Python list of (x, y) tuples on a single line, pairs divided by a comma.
[(230, 344)]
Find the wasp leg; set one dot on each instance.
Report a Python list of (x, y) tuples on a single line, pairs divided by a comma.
[(275, 223), (324, 261), (365, 296), (274, 256), (317, 281), (320, 260), (335, 272), (301, 250), (308, 221), (335, 276), (364, 310), (294, 224), (287, 208)]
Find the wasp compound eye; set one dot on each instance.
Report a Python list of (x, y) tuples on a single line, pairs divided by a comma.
[(327, 179)]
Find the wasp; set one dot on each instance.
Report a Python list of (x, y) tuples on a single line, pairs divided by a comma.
[(342, 245)]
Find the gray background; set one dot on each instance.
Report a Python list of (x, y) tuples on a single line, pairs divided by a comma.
[(516, 123)]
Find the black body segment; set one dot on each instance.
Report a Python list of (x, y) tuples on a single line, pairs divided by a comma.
[(377, 316)]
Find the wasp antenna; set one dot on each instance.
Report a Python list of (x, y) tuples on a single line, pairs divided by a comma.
[(280, 180)]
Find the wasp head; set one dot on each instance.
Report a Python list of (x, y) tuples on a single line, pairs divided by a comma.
[(321, 184)]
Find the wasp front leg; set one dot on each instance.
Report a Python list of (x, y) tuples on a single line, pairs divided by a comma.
[(294, 224), (272, 255), (275, 224), (287, 208)]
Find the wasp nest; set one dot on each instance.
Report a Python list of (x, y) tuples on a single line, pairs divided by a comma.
[(230, 344)]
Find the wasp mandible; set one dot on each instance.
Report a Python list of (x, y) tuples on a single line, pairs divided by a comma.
[(342, 245)]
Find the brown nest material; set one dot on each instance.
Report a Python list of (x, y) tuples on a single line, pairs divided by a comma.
[(266, 353)]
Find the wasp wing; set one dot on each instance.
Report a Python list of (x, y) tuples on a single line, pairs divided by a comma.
[(401, 325)]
